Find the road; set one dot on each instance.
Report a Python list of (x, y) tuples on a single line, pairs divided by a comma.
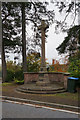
[(15, 110)]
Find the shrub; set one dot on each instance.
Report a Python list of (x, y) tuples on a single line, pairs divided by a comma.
[(19, 75), (10, 75), (14, 72), (74, 67)]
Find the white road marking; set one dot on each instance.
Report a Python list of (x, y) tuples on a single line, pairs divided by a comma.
[(26, 100), (38, 106)]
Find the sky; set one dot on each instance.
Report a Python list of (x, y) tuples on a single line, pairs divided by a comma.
[(53, 40)]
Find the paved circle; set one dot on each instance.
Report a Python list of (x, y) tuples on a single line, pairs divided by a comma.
[(33, 88)]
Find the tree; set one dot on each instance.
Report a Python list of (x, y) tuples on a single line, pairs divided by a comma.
[(24, 38), (67, 9), (10, 10), (14, 72), (33, 62), (58, 67), (9, 14), (34, 16), (74, 66), (71, 43)]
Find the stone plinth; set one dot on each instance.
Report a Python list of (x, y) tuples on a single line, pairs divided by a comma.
[(66, 75), (32, 84), (37, 89), (30, 77), (43, 79), (53, 76)]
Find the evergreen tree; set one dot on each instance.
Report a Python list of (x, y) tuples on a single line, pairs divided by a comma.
[(10, 28), (11, 19), (71, 43), (24, 39)]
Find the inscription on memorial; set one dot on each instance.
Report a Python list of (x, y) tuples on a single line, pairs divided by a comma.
[(41, 69), (41, 74), (41, 80)]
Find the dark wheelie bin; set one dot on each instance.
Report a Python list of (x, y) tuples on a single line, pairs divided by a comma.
[(72, 83)]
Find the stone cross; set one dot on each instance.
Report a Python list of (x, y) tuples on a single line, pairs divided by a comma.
[(43, 76), (43, 27)]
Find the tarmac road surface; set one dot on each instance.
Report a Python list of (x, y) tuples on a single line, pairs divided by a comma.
[(16, 110)]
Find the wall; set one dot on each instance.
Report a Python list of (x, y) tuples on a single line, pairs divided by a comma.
[(53, 76), (30, 77)]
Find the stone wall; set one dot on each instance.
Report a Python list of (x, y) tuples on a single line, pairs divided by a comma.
[(56, 76), (66, 75), (30, 77), (53, 76)]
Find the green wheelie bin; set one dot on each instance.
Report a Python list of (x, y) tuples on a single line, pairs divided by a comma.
[(72, 83)]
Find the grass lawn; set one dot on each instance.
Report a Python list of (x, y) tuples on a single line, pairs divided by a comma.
[(8, 84), (73, 96)]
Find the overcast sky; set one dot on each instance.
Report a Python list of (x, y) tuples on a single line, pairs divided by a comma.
[(54, 40)]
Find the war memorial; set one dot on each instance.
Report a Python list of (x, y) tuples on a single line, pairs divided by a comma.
[(43, 82)]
